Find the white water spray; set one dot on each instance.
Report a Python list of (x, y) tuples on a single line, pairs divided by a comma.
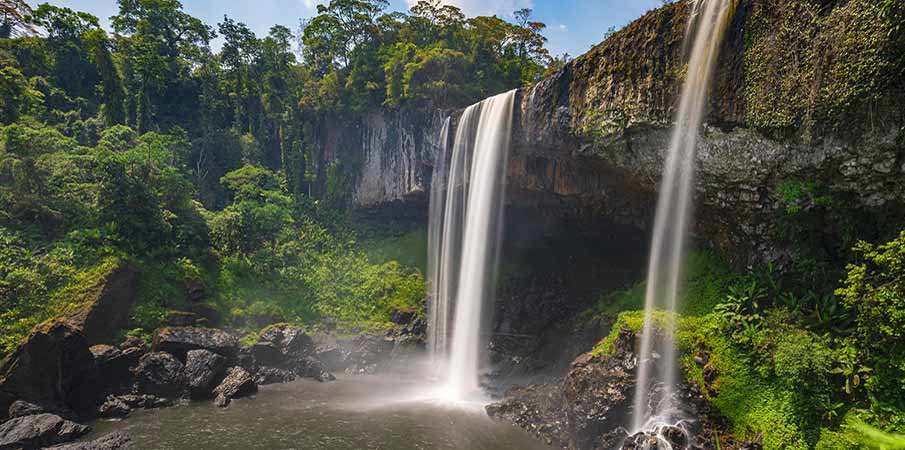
[(708, 20), (465, 240)]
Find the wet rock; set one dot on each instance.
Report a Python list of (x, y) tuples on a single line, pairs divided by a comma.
[(160, 374), (238, 383), (144, 401), (117, 440), (113, 408), (369, 352), (114, 365), (537, 409), (272, 375), (53, 366), (107, 309), (180, 340), (21, 408), (290, 342), (203, 370), (334, 357), (312, 368), (406, 348), (38, 431), (134, 342), (288, 348)]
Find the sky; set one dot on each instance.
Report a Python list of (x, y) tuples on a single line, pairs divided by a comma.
[(573, 26)]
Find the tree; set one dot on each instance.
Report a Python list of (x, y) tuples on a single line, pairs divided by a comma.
[(330, 37), (160, 43)]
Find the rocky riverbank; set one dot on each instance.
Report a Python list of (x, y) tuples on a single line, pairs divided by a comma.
[(589, 408), (55, 381)]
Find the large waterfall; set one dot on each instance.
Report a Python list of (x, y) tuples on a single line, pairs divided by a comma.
[(464, 238), (708, 20)]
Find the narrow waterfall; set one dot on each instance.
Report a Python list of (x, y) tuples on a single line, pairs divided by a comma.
[(464, 241), (438, 307), (707, 23)]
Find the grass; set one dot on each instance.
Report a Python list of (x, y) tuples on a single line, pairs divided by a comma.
[(408, 249)]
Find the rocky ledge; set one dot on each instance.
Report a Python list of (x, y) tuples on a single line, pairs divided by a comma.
[(590, 407), (55, 379)]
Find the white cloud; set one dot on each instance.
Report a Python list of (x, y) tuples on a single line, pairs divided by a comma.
[(563, 27), (311, 4), (502, 8)]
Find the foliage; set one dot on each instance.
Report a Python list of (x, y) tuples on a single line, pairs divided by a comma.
[(813, 66), (875, 290)]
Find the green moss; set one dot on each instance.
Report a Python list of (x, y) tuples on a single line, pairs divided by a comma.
[(814, 66)]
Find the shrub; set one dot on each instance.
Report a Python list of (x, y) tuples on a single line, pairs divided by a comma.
[(875, 289)]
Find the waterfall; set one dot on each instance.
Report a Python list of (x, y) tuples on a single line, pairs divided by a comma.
[(706, 26), (438, 307), (464, 240)]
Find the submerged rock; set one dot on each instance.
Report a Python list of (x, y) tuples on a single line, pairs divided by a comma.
[(38, 431), (117, 440), (238, 383)]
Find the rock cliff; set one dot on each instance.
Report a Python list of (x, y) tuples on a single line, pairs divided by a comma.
[(818, 108)]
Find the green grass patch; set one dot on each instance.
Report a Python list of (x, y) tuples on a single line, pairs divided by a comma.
[(408, 249)]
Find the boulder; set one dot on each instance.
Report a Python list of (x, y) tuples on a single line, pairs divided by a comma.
[(334, 356), (203, 369), (38, 431), (272, 375), (114, 365), (134, 342), (238, 383), (113, 408), (21, 408), (107, 307), (144, 401), (289, 341), (117, 440), (160, 374), (179, 340), (311, 367), (53, 366)]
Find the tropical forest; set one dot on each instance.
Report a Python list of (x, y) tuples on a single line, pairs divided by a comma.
[(452, 225)]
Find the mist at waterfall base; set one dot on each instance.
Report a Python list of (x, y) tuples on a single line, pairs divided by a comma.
[(351, 413), (655, 405), (467, 197)]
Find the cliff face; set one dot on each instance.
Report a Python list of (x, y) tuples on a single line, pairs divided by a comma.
[(391, 152), (807, 98)]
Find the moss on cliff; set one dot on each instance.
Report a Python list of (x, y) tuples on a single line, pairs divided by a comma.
[(817, 66)]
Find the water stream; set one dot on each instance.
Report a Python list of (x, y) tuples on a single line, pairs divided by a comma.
[(466, 248), (707, 24)]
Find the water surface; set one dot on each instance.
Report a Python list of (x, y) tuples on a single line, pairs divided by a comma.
[(353, 412)]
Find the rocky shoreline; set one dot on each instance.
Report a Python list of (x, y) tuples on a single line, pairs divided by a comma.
[(590, 406), (56, 381)]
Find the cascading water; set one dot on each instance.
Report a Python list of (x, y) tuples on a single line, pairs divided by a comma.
[(438, 309), (464, 242), (706, 24)]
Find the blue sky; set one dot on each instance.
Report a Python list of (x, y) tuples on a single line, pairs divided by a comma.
[(573, 26)]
